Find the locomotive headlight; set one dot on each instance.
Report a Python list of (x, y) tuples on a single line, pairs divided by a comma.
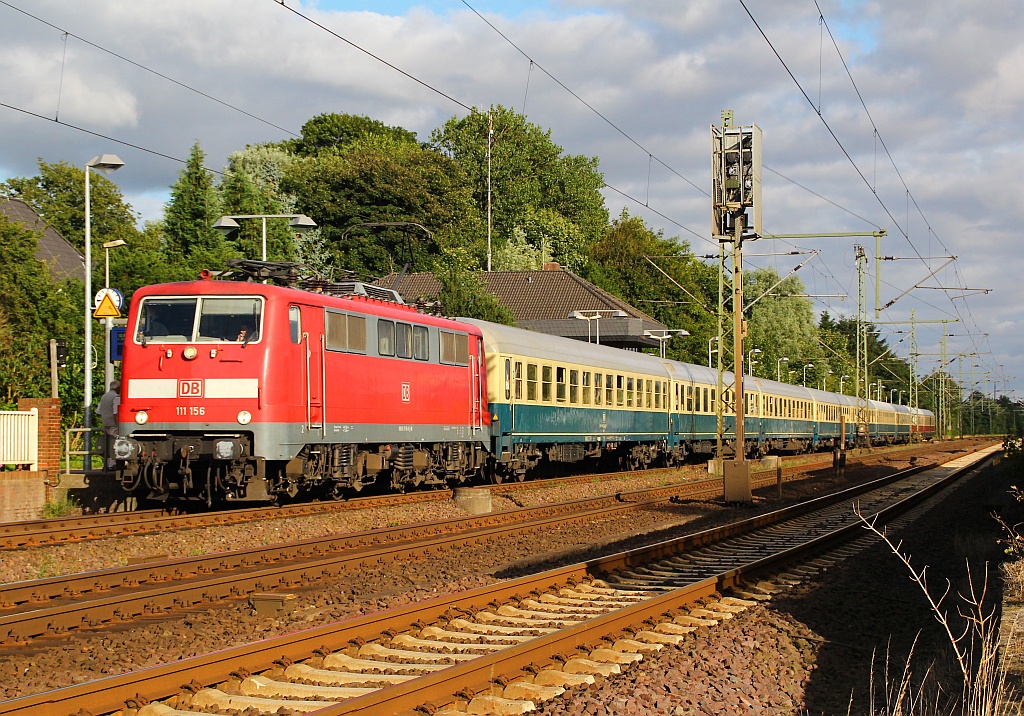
[(141, 417), (244, 416), (190, 353)]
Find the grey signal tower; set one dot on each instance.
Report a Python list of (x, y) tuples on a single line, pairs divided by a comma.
[(736, 189)]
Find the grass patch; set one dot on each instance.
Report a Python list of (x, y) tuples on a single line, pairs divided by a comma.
[(63, 507)]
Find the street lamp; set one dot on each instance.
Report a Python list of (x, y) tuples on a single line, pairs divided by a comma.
[(105, 163), (879, 394), (778, 368), (900, 397), (582, 315), (809, 365), (750, 359), (300, 222), (841, 379), (871, 388), (714, 339), (664, 337), (108, 322), (891, 391)]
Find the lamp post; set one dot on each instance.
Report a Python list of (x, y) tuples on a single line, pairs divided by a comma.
[(714, 339), (750, 359), (227, 224), (824, 381), (879, 394), (664, 336), (105, 163), (108, 322), (809, 365), (596, 317), (900, 397), (871, 388), (841, 379), (891, 391), (778, 368)]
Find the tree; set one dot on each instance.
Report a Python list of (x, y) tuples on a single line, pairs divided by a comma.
[(618, 264), (330, 132), (189, 237), (781, 323), (379, 179), (57, 194), (534, 186), (38, 310), (462, 290)]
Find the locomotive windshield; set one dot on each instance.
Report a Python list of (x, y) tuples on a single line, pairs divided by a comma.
[(187, 320)]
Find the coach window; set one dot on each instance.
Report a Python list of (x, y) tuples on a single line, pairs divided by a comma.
[(560, 384), (508, 379), (531, 381), (403, 340), (629, 392), (620, 390), (574, 386), (586, 387), (648, 390), (609, 385), (294, 324), (657, 394), (598, 388), (519, 380), (689, 398), (545, 383), (385, 337)]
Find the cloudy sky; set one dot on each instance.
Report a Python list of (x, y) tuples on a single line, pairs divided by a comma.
[(924, 141)]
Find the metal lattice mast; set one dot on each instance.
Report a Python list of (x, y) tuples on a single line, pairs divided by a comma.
[(862, 346), (913, 367)]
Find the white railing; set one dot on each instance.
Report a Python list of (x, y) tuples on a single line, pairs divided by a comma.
[(19, 438)]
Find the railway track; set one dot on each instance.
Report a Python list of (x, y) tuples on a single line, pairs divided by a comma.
[(502, 648), (86, 600), (34, 533)]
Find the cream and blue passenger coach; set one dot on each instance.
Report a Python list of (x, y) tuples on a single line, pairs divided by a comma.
[(564, 401)]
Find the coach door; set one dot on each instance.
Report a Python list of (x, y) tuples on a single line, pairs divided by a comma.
[(314, 376)]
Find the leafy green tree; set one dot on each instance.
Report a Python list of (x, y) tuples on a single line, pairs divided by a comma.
[(38, 310), (379, 179), (518, 254), (781, 323), (462, 289), (330, 132), (190, 240), (534, 185), (687, 300), (57, 194)]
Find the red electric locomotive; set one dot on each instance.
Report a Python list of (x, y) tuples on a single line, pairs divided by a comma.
[(240, 390)]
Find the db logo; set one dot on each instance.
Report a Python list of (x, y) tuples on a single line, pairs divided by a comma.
[(190, 389), (406, 393)]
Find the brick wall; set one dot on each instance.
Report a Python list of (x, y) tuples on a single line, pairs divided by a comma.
[(22, 495), (51, 442)]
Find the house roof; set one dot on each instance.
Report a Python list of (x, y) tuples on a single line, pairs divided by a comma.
[(62, 259), (545, 300)]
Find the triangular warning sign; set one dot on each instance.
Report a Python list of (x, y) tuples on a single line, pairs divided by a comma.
[(107, 308)]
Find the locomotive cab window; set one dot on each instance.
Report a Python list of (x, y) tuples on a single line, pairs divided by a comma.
[(208, 318)]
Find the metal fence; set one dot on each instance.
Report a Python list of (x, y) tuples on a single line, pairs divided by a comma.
[(19, 438)]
